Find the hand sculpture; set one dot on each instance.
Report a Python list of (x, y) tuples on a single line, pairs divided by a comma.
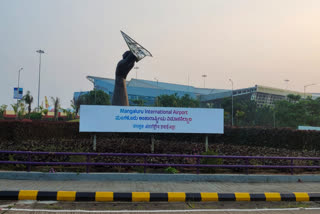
[(120, 96)]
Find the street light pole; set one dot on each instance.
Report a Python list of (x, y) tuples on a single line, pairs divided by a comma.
[(204, 80), (157, 85), (304, 89), (18, 90), (136, 68), (40, 52), (231, 102), (287, 82)]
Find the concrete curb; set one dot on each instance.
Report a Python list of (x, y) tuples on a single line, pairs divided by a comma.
[(150, 197), (235, 178)]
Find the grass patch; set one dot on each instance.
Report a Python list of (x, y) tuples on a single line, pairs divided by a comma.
[(53, 207), (295, 205), (75, 120)]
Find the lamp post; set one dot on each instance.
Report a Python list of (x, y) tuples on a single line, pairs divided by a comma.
[(136, 68), (204, 80), (18, 90), (157, 84), (304, 89), (40, 52), (287, 82), (95, 93), (231, 101)]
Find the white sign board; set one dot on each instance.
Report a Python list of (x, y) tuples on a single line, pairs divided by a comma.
[(17, 93), (98, 118), (313, 128)]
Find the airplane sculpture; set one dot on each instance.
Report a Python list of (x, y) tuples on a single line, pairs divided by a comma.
[(137, 49)]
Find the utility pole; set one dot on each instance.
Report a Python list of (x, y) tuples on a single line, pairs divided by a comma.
[(231, 101), (18, 92), (40, 52)]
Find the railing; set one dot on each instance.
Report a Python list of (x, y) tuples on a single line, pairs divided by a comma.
[(145, 164)]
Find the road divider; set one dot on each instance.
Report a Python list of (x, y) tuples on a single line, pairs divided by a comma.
[(150, 197)]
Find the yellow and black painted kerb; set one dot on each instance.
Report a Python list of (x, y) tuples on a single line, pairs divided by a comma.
[(149, 197)]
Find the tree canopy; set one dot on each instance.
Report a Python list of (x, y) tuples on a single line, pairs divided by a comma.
[(28, 99), (290, 112), (94, 97), (174, 100)]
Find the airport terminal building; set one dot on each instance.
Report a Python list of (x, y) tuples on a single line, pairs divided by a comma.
[(262, 95), (148, 91)]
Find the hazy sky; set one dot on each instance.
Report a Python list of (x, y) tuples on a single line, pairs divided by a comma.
[(253, 42)]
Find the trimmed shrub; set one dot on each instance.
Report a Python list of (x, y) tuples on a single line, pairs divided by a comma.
[(210, 161), (64, 136), (34, 116)]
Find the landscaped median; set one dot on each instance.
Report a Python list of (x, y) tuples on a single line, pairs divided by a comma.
[(151, 197)]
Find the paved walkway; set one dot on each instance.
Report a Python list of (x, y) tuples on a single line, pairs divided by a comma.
[(145, 186)]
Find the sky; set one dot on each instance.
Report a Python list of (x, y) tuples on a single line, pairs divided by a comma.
[(251, 42)]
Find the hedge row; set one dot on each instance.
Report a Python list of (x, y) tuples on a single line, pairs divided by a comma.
[(64, 136)]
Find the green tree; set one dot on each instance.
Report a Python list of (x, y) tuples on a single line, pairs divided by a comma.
[(28, 99), (15, 108), (94, 97), (45, 111), (247, 111), (291, 112), (22, 110), (312, 111), (265, 116), (301, 112), (3, 108), (240, 116), (138, 102), (293, 97), (75, 105), (187, 101), (174, 100), (167, 100), (56, 104)]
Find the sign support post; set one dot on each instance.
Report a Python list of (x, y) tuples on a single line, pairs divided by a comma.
[(152, 143), (17, 113), (94, 142), (206, 143)]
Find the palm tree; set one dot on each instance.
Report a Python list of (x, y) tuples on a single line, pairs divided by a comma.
[(15, 108), (22, 108), (56, 104), (28, 99), (75, 103), (3, 109)]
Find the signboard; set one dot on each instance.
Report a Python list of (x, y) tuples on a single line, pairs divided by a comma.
[(97, 118), (313, 128), (17, 94)]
